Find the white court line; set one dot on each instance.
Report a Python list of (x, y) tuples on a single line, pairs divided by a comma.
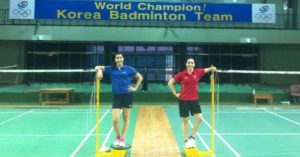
[(255, 112), (47, 135), (200, 137), (255, 134), (251, 108), (49, 112), (223, 140), (108, 136), (242, 112), (277, 115), (18, 116), (9, 112), (87, 136)]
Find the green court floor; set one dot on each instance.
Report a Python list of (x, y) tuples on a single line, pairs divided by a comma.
[(69, 132), (247, 132)]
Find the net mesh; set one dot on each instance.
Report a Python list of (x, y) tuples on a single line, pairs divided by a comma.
[(8, 78), (10, 75), (82, 81)]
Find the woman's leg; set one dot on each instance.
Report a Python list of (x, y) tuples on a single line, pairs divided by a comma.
[(126, 118), (185, 123), (116, 121), (198, 120)]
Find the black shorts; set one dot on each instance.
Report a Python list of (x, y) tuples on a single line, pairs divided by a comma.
[(122, 100), (189, 106)]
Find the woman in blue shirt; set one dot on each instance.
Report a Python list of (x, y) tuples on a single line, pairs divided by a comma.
[(121, 76)]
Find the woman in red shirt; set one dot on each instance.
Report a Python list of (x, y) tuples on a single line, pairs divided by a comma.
[(188, 97)]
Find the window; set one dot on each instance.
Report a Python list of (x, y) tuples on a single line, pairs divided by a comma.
[(156, 62), (54, 55), (226, 57)]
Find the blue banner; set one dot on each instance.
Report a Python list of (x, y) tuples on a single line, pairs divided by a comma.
[(144, 11)]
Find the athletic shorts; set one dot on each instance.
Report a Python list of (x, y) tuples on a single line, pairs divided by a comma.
[(187, 107), (122, 100)]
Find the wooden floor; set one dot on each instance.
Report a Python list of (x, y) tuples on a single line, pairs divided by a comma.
[(153, 134)]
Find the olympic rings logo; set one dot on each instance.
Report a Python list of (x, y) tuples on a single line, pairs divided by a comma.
[(262, 16), (21, 11)]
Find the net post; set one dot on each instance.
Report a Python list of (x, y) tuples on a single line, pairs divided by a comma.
[(212, 137), (97, 115)]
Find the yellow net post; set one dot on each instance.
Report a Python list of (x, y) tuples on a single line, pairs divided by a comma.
[(212, 137), (97, 115)]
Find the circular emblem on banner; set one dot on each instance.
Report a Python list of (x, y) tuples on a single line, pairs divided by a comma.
[(21, 10), (263, 14)]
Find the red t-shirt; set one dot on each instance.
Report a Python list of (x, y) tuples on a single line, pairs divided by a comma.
[(189, 83)]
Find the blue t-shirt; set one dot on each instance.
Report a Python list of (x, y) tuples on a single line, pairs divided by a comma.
[(120, 78)]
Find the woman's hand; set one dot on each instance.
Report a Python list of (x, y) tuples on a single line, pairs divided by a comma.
[(99, 74), (131, 89), (177, 95), (213, 68)]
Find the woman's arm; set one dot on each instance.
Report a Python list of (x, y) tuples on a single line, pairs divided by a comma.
[(139, 79), (172, 88)]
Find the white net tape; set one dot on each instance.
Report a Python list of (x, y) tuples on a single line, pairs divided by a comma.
[(93, 70), (259, 72), (8, 67), (46, 70)]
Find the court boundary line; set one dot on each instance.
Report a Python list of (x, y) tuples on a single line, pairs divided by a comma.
[(200, 137), (47, 135), (108, 135), (223, 140), (106, 138), (256, 112), (282, 117), (50, 112), (87, 136), (16, 117), (255, 134)]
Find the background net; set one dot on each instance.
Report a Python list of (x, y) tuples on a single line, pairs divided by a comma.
[(232, 85), (6, 77)]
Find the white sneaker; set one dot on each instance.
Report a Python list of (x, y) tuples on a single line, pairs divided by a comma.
[(190, 143), (116, 142), (122, 143)]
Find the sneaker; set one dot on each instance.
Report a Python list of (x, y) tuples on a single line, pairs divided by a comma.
[(122, 143), (117, 142), (190, 142)]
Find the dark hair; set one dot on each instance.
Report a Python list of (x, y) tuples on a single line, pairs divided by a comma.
[(118, 53), (190, 58), (114, 65)]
